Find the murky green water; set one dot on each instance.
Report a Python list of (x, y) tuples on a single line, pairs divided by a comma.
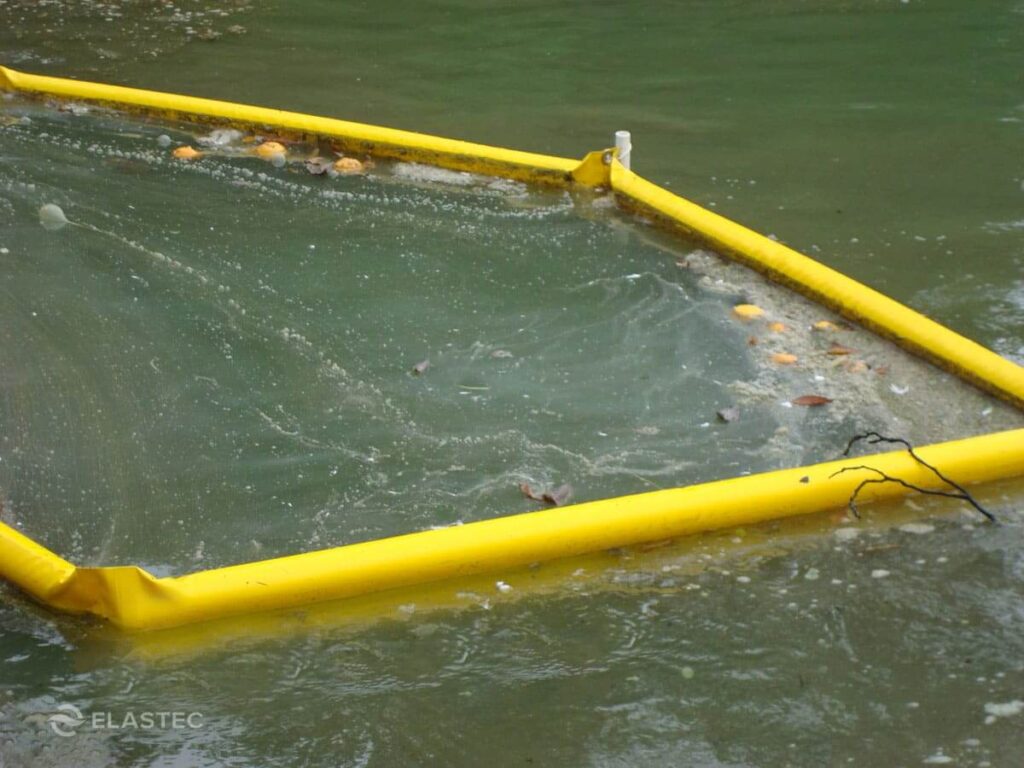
[(216, 368)]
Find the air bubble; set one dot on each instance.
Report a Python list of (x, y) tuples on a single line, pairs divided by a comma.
[(52, 217)]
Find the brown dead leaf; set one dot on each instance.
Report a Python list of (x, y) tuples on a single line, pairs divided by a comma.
[(728, 415), (559, 496), (752, 341), (811, 400), (839, 349), (529, 493)]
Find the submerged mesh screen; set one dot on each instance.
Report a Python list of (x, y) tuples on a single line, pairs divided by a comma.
[(214, 361)]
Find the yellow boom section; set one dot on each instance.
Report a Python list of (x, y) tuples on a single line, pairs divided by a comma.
[(886, 317), (132, 598), (353, 137)]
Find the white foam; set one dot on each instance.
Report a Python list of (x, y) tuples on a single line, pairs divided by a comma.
[(846, 534), (918, 529), (417, 172), (1006, 709)]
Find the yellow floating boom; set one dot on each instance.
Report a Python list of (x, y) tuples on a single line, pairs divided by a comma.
[(132, 598)]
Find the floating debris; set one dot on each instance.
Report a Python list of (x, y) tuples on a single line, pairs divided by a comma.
[(319, 166), (220, 137), (560, 496), (747, 311), (879, 573), (811, 401), (187, 153), (527, 490), (348, 166), (420, 368), (777, 327), (501, 354), (268, 150), (557, 498), (783, 358), (839, 349), (163, 140), (825, 325), (52, 217), (728, 415), (503, 587)]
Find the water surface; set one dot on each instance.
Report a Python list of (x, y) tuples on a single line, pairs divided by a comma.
[(193, 384)]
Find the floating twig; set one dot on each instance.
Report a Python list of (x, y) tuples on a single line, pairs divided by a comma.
[(873, 438)]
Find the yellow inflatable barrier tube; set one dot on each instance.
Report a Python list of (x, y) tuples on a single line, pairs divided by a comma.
[(132, 598), (911, 330), (353, 138), (886, 317)]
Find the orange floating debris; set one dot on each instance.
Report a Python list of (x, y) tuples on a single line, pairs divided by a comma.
[(825, 325), (839, 349), (811, 401), (783, 358), (268, 149), (187, 153), (348, 165), (747, 311), (778, 327)]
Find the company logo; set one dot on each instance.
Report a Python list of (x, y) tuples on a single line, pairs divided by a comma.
[(67, 720)]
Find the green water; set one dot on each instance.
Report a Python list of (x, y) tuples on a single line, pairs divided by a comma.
[(216, 367)]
